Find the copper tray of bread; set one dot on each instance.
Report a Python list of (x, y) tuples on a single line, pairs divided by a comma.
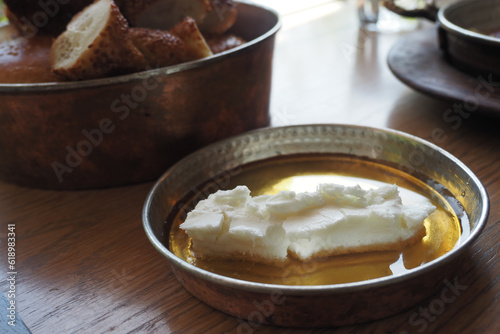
[(327, 289), (71, 118)]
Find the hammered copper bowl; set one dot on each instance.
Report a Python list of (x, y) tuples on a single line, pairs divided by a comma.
[(468, 33), (321, 305), (131, 128)]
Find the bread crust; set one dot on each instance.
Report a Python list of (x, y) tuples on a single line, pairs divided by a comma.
[(188, 31), (112, 52), (160, 48), (182, 43)]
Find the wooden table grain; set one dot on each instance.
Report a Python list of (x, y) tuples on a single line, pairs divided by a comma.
[(83, 262)]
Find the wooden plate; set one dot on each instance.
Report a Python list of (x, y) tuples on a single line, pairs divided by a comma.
[(418, 62)]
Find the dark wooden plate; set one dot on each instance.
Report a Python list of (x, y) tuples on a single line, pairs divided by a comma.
[(418, 62)]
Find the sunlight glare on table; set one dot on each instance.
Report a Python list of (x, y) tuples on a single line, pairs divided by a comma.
[(298, 12)]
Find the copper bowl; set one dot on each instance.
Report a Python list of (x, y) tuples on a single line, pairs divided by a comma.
[(128, 129), (320, 305), (468, 33)]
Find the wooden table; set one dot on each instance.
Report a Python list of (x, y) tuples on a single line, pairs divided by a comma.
[(84, 264)]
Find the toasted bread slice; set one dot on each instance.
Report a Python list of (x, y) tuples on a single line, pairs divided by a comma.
[(164, 48), (160, 48), (96, 44), (188, 31)]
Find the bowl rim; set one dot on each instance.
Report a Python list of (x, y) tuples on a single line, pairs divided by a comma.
[(143, 75), (451, 27), (266, 288)]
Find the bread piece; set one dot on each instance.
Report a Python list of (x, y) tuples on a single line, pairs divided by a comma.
[(162, 14), (220, 18), (188, 31), (182, 43), (32, 17), (224, 42), (96, 44), (160, 48)]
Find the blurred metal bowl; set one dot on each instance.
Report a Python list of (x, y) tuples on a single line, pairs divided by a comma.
[(468, 32), (321, 305), (131, 128)]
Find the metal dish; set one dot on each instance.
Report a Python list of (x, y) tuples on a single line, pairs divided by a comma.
[(321, 305), (466, 33), (129, 129)]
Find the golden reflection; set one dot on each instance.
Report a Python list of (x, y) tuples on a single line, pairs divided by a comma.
[(304, 173)]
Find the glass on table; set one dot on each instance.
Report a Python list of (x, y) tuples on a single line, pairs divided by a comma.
[(374, 16)]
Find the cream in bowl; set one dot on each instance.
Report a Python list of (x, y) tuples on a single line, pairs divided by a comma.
[(333, 220), (325, 289), (358, 228)]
